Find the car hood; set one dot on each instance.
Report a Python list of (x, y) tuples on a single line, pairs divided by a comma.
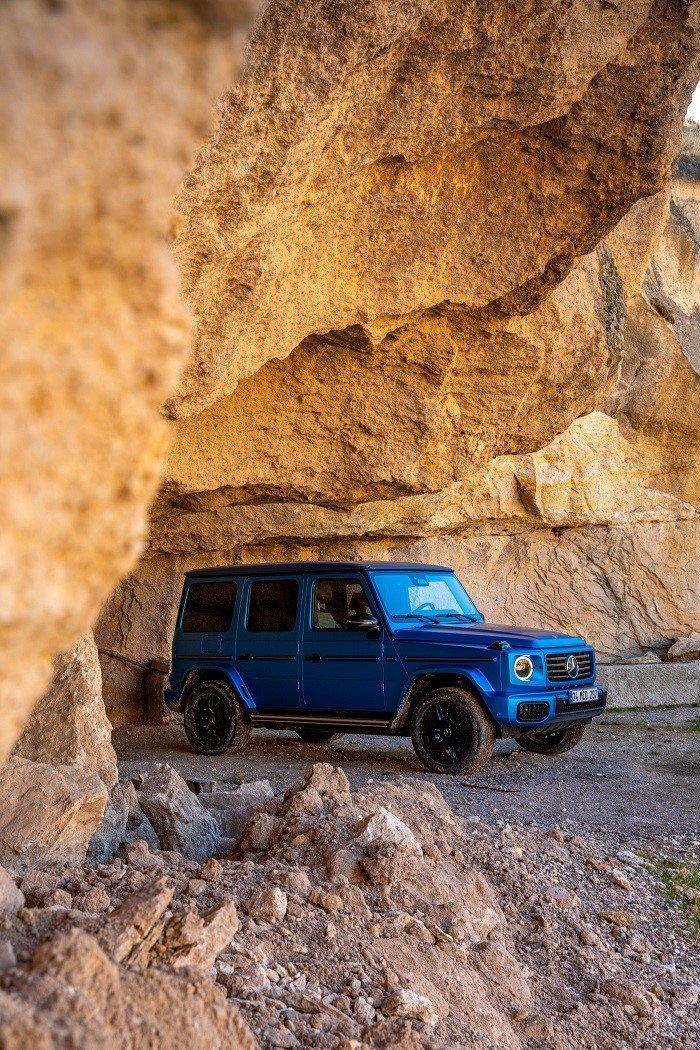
[(482, 635)]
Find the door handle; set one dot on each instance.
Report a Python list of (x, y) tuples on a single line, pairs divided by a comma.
[(246, 656), (315, 657)]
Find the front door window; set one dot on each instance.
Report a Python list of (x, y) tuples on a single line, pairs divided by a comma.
[(337, 603)]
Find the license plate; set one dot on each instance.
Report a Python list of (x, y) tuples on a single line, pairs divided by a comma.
[(582, 696)]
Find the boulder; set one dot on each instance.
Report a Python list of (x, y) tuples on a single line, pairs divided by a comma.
[(270, 903), (658, 684), (48, 814), (687, 648), (178, 817), (74, 994), (69, 725), (233, 809), (138, 826), (110, 835), (138, 923), (193, 940), (384, 827), (405, 1003), (11, 898)]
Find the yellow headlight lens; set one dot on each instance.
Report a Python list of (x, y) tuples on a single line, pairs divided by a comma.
[(523, 668)]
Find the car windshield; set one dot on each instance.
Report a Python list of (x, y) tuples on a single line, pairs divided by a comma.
[(425, 597)]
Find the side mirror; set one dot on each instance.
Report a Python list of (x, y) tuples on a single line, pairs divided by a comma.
[(363, 623)]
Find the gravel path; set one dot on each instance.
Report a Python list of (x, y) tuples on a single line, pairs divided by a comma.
[(632, 781)]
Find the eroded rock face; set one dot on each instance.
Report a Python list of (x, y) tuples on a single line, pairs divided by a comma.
[(76, 995), (404, 251), (69, 726), (101, 106), (48, 814), (556, 501), (385, 158)]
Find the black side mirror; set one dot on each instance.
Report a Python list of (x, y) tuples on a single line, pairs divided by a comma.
[(363, 623)]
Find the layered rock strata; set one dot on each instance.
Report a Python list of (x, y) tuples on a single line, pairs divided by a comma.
[(393, 248), (571, 502)]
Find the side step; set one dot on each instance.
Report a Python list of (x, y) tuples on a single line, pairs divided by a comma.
[(349, 723)]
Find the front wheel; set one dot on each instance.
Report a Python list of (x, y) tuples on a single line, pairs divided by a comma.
[(214, 719), (554, 743), (451, 732), (318, 736)]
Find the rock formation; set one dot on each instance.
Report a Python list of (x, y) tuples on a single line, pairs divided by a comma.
[(374, 917), (101, 107), (552, 459), (68, 725), (443, 309)]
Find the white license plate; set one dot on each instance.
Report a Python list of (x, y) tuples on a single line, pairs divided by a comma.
[(582, 696)]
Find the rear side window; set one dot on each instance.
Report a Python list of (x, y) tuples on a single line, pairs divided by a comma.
[(209, 607), (273, 605)]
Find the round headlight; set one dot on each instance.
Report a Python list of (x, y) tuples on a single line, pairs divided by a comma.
[(523, 668)]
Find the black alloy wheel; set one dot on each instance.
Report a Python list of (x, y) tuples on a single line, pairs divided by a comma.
[(214, 719), (451, 731), (554, 743), (317, 736)]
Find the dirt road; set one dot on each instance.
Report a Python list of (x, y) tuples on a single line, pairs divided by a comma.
[(633, 780)]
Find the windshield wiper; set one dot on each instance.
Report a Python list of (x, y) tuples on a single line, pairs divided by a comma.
[(460, 616), (415, 616)]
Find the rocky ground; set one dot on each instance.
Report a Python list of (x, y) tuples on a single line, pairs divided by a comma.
[(632, 780), (299, 912)]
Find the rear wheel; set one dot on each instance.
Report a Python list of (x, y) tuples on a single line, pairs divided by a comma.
[(451, 732), (318, 736), (214, 719), (554, 743)]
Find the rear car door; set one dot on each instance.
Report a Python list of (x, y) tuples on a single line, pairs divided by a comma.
[(267, 653), (342, 667)]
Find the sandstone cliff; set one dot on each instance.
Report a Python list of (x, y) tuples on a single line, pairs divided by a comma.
[(408, 299), (551, 457)]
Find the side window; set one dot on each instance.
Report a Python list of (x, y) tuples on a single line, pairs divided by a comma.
[(335, 601), (209, 607), (273, 605)]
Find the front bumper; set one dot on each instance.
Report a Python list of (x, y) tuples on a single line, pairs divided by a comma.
[(546, 708)]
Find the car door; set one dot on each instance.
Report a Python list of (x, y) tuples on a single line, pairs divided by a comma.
[(342, 667), (267, 650)]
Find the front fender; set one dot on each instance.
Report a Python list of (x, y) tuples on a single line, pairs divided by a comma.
[(214, 670), (473, 675)]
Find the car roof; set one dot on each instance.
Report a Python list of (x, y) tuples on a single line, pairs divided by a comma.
[(268, 568)]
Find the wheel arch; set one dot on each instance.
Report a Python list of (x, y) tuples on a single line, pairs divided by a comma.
[(214, 673), (425, 681)]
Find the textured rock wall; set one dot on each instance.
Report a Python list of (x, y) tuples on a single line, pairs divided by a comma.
[(343, 451), (393, 248), (101, 107)]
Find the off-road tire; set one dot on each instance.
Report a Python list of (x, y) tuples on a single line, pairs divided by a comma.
[(317, 736), (215, 720), (554, 743), (451, 731)]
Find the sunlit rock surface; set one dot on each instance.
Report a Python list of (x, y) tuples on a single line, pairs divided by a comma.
[(583, 517), (101, 108)]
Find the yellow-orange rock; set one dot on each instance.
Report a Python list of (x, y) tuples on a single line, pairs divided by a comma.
[(101, 107)]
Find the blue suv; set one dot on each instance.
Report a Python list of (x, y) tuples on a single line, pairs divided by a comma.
[(323, 648)]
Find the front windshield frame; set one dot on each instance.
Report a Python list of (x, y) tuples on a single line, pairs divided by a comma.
[(461, 610)]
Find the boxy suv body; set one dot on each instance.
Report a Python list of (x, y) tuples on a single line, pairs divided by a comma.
[(323, 648)]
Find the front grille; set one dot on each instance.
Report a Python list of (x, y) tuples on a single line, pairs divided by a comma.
[(533, 711), (556, 666)]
